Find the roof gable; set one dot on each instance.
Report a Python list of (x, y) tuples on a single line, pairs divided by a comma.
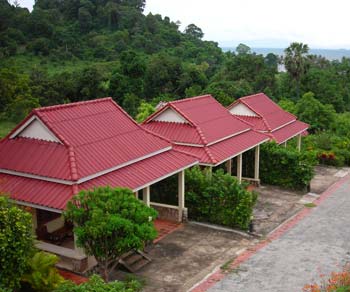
[(34, 128), (170, 115), (242, 110), (271, 113)]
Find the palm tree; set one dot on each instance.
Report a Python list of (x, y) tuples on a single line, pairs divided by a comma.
[(296, 62)]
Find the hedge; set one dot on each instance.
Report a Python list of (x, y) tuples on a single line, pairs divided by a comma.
[(286, 167), (218, 199)]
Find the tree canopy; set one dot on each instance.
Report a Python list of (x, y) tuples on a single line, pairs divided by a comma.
[(110, 222)]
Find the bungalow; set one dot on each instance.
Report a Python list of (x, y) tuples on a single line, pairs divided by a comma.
[(267, 117), (201, 126), (59, 150)]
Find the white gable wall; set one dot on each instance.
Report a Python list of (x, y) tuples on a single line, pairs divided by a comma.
[(169, 115), (243, 110), (35, 129)]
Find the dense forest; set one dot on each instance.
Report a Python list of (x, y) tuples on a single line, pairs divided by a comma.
[(72, 50)]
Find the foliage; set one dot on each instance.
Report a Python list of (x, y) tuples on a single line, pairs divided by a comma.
[(5, 128), (144, 111), (96, 284), (296, 62), (286, 167), (218, 198), (337, 282), (42, 276), (16, 243), (313, 112), (110, 222)]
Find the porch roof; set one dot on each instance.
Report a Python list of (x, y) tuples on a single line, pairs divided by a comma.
[(52, 195)]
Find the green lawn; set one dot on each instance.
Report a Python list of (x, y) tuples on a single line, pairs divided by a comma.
[(5, 127)]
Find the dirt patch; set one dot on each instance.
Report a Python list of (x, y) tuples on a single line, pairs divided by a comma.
[(187, 255), (275, 205), (324, 177)]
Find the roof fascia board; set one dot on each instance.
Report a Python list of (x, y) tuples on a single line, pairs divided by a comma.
[(87, 178), (22, 203), (165, 176), (291, 137), (228, 137), (39, 177), (286, 124), (245, 150)]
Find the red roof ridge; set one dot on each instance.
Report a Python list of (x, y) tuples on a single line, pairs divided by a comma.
[(251, 95), (244, 121), (72, 163), (188, 99), (71, 104)]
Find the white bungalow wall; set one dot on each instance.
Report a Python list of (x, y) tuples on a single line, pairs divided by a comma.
[(241, 109), (169, 115)]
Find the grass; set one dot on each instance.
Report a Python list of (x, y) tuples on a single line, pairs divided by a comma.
[(310, 205), (6, 127)]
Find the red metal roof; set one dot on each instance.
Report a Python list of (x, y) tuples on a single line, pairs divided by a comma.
[(270, 118), (225, 149), (209, 125), (272, 114), (134, 176), (289, 131), (205, 114), (96, 135), (100, 142)]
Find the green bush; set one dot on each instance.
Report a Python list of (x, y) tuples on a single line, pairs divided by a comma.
[(286, 167), (96, 284), (218, 198), (16, 244), (42, 275)]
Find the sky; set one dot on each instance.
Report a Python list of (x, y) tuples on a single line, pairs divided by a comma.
[(260, 23)]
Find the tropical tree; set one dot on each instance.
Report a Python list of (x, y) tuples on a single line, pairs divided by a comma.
[(296, 62), (144, 111), (110, 222), (16, 243)]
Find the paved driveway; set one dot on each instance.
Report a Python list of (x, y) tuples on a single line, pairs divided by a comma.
[(319, 243)]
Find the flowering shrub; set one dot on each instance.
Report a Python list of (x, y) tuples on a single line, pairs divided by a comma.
[(338, 282)]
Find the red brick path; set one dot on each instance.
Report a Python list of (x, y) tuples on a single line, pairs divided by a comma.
[(282, 229), (73, 277), (165, 227)]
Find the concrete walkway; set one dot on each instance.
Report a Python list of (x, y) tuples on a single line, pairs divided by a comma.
[(318, 244)]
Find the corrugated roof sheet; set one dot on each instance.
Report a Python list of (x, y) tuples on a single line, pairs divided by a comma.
[(271, 113), (134, 176), (289, 131), (216, 129), (225, 149), (35, 157), (271, 117), (97, 136)]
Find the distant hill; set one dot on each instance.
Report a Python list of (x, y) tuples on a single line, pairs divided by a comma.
[(330, 54)]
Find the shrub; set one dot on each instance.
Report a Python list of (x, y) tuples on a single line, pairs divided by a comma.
[(218, 199), (16, 243), (286, 167), (110, 222), (96, 284), (42, 275)]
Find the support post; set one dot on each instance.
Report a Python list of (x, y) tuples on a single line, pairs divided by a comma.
[(146, 195), (239, 167), (285, 144), (229, 166), (79, 250), (208, 170), (257, 162), (34, 220), (299, 142), (181, 194)]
